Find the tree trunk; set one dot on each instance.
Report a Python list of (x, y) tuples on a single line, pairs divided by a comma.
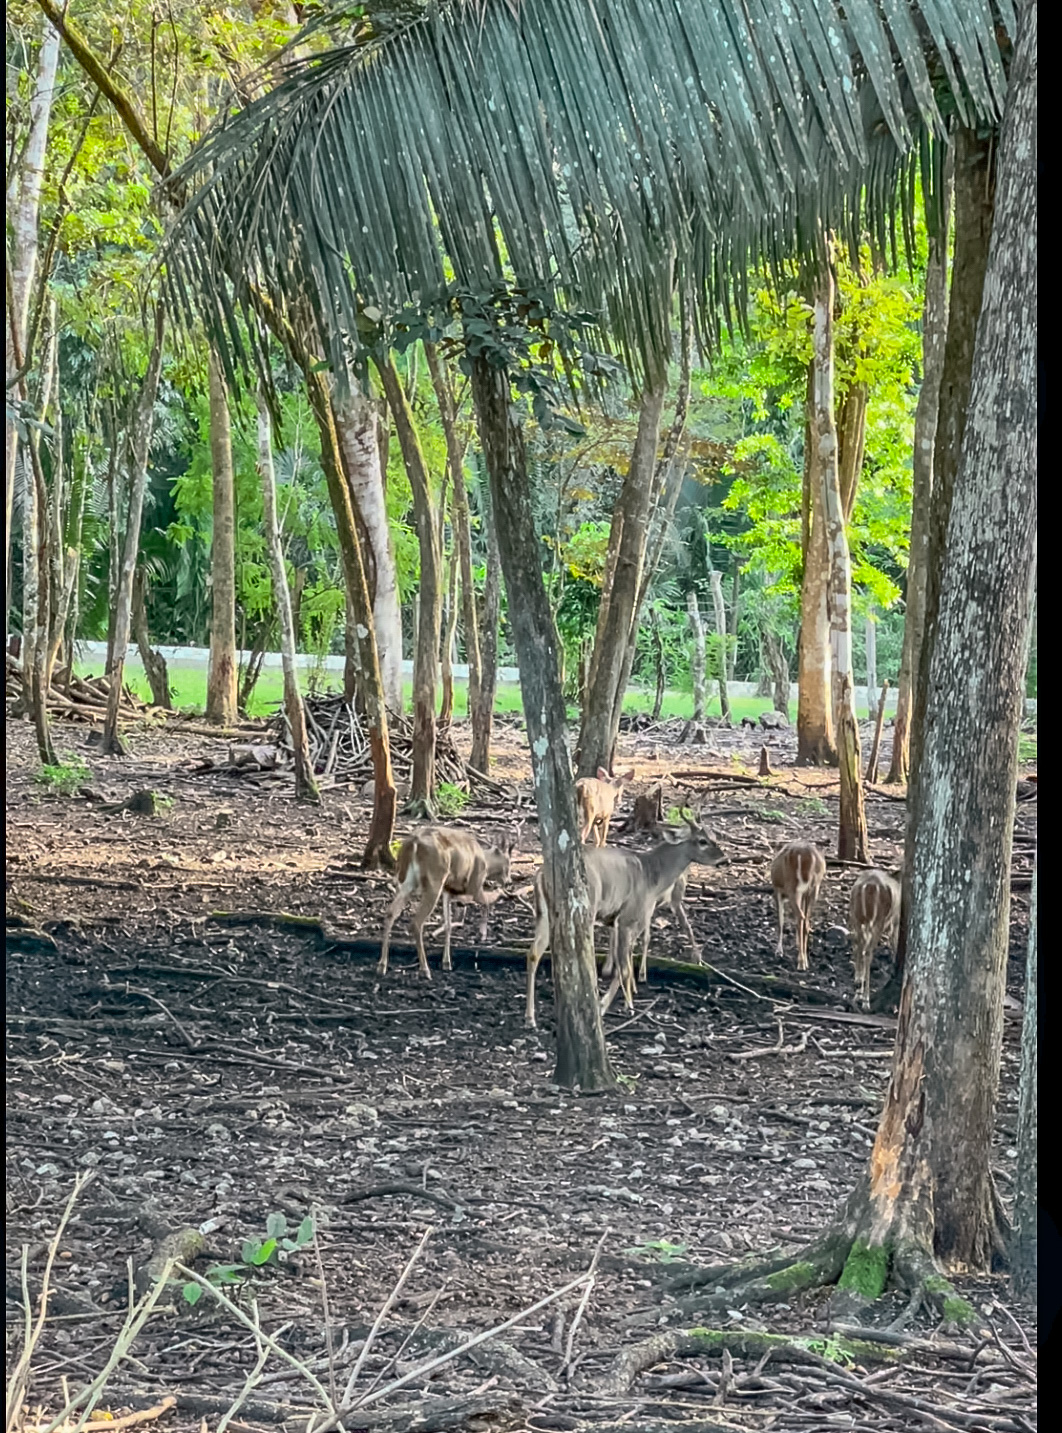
[(248, 680), (934, 333), (815, 742), (779, 669), (305, 785), (154, 662), (604, 699), (935, 1138), (719, 607), (381, 828), (697, 657), (221, 680), (446, 710), (871, 640), (350, 652), (426, 652), (1023, 1245), (142, 419), (23, 208), (660, 666), (852, 834), (482, 712), (581, 1055), (875, 746), (851, 444), (356, 423), (735, 597), (114, 530)]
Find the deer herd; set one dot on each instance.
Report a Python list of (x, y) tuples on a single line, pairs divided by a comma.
[(624, 888)]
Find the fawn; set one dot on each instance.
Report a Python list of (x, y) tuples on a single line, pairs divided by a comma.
[(596, 798), (797, 872), (873, 912)]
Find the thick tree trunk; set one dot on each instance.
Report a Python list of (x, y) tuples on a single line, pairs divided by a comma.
[(815, 742), (154, 662), (305, 785), (697, 657), (604, 698), (934, 333), (851, 444), (23, 210), (779, 670), (871, 641), (426, 651), (852, 833), (482, 713), (381, 828), (221, 679), (1023, 1245), (581, 1055), (143, 418), (356, 422), (935, 1138), (719, 608)]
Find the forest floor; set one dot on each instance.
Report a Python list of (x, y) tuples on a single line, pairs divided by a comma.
[(211, 1066)]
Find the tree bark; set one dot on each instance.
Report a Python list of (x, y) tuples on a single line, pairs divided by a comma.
[(154, 662), (1023, 1246), (658, 661), (604, 699), (697, 658), (815, 740), (871, 641), (581, 1055), (426, 652), (446, 647), (779, 669), (934, 333), (221, 680), (356, 423), (735, 597), (143, 419), (719, 608), (483, 712), (305, 785), (24, 212), (852, 832), (936, 1132), (851, 444)]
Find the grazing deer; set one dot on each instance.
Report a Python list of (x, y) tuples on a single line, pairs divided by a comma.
[(797, 872), (873, 912), (596, 798), (439, 861), (624, 887)]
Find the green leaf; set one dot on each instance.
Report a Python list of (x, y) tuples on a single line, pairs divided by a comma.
[(192, 1293), (276, 1224)]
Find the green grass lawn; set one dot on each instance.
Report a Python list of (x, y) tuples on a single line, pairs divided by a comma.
[(189, 694)]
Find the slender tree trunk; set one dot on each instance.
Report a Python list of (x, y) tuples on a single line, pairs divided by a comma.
[(446, 711), (934, 333), (779, 671), (871, 640), (815, 742), (719, 608), (305, 785), (581, 1055), (483, 711), (23, 208), (875, 746), (143, 418), (697, 657), (79, 496), (935, 1138), (852, 836), (357, 421), (350, 652), (221, 681), (1023, 1246), (604, 698), (735, 597), (154, 662), (426, 652), (661, 668), (381, 829), (114, 529), (851, 444)]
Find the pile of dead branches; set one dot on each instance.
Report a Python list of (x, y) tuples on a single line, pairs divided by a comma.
[(76, 698)]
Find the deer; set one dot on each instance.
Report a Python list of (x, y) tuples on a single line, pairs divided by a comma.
[(797, 873), (596, 798), (624, 887), (441, 862), (873, 912)]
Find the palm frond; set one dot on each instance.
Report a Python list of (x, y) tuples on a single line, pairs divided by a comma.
[(580, 148)]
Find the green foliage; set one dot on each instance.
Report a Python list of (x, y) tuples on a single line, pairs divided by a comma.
[(66, 778), (255, 1254), (661, 1250), (450, 800)]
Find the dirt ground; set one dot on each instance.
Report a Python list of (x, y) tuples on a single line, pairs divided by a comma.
[(211, 1066)]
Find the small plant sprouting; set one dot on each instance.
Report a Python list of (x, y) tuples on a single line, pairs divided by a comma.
[(255, 1254), (662, 1250), (65, 778), (450, 800)]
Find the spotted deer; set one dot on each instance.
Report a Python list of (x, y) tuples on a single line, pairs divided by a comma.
[(596, 798), (873, 912), (438, 862), (797, 873)]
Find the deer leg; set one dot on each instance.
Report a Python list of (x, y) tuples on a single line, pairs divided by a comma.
[(643, 972), (605, 820), (802, 935), (626, 947), (679, 911), (779, 901), (446, 964), (393, 913), (428, 902), (538, 948)]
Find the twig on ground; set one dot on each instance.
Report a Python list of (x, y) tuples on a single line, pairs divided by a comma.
[(591, 1279)]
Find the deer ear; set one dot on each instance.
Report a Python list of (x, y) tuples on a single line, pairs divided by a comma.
[(629, 776), (602, 774)]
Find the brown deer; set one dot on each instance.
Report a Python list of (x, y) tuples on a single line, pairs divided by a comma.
[(441, 862), (596, 798), (797, 873), (624, 887), (873, 912)]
